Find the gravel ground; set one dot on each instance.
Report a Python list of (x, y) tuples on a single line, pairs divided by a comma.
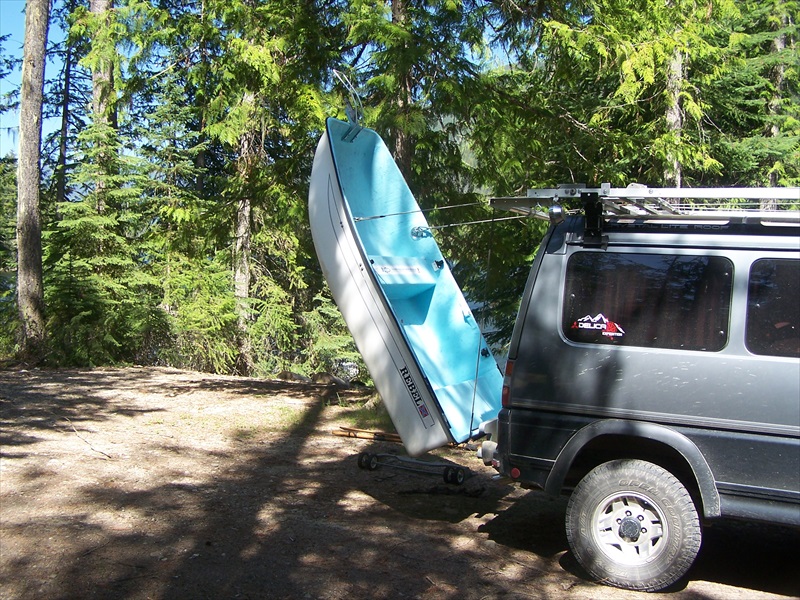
[(158, 483)]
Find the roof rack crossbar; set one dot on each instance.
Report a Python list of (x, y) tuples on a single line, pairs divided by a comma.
[(639, 192), (641, 201)]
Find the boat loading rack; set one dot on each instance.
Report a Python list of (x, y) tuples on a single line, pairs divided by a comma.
[(450, 474)]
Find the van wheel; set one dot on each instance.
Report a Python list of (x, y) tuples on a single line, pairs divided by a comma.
[(633, 525)]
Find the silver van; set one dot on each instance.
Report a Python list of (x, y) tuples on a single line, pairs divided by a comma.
[(654, 371)]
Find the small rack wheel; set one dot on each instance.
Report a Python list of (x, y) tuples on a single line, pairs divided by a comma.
[(454, 475), (372, 462), (459, 475), (363, 460), (447, 474)]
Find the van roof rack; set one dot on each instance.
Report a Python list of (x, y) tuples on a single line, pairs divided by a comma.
[(640, 201)]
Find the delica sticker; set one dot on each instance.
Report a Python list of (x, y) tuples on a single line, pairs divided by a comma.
[(600, 323)]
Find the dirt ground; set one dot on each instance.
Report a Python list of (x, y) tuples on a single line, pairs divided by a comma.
[(158, 483)]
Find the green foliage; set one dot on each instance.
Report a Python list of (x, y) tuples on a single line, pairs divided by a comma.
[(328, 345), (593, 95), (753, 103), (8, 232), (218, 106), (202, 315), (101, 307), (274, 330), (373, 417), (94, 319)]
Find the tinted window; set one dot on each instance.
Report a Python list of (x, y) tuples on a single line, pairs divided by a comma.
[(773, 308), (651, 300)]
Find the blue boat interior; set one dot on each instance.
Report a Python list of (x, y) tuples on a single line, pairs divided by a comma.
[(419, 288)]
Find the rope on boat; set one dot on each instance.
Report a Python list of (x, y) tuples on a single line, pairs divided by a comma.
[(419, 210), (354, 109), (492, 220), (482, 327), (421, 232)]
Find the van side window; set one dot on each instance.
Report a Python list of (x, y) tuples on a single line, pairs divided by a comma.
[(773, 308), (651, 300)]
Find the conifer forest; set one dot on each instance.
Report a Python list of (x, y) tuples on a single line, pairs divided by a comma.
[(164, 220)]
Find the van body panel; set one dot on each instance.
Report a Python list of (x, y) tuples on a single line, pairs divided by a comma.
[(731, 412)]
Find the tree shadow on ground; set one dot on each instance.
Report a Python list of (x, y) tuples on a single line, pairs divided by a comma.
[(47, 400), (292, 516), (282, 518), (535, 522), (36, 401), (275, 524)]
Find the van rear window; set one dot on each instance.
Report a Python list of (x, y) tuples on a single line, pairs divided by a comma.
[(773, 309), (651, 300)]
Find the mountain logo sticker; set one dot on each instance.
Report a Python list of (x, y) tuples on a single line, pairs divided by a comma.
[(600, 323)]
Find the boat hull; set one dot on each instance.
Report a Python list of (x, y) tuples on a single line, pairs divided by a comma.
[(407, 315)]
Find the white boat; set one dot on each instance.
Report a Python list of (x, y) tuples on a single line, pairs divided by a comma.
[(408, 317)]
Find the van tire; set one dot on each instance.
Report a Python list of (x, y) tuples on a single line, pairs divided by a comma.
[(633, 525)]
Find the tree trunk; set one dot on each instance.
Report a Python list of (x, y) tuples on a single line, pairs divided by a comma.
[(403, 152), (61, 167), (30, 291), (673, 170), (102, 89), (241, 283), (102, 77), (241, 253), (778, 77), (202, 109)]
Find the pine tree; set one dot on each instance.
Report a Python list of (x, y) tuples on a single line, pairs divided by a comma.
[(66, 98), (175, 220), (30, 292), (8, 224), (266, 102), (104, 305), (8, 256), (753, 108)]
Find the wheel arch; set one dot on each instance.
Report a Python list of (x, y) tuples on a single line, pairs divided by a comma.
[(615, 438)]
